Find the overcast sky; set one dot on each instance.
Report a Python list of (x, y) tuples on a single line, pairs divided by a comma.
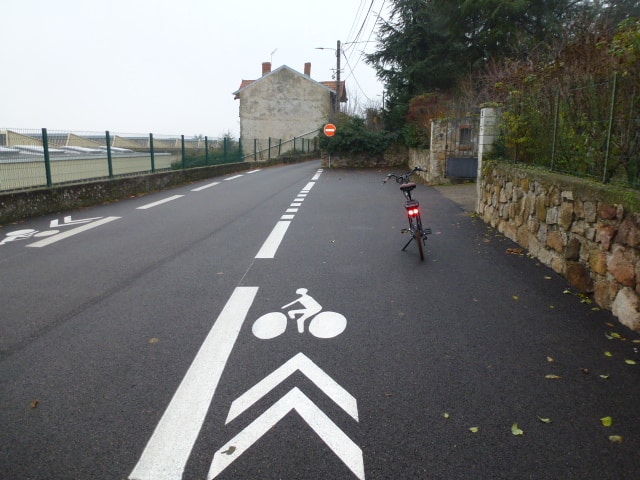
[(168, 67)]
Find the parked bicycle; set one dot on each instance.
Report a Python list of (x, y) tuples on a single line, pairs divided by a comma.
[(417, 232)]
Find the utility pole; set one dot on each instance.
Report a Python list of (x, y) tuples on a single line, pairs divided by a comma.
[(338, 95)]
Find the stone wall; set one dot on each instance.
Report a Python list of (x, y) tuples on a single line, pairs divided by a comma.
[(580, 229)]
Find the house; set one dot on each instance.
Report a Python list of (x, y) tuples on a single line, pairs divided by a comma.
[(282, 105)]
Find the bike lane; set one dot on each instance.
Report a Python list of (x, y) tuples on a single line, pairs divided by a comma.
[(435, 364)]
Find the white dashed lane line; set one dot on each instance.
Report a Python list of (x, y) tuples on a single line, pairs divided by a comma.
[(271, 244)]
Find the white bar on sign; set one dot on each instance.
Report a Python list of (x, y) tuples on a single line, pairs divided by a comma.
[(159, 202), (70, 233), (169, 448), (271, 244)]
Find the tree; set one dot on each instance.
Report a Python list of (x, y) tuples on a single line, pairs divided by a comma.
[(430, 45)]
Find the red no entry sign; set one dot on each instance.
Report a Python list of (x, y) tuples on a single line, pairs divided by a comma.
[(329, 129)]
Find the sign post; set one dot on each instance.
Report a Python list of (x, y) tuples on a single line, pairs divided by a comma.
[(329, 131)]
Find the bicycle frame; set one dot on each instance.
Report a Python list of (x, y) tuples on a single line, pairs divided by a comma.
[(412, 207)]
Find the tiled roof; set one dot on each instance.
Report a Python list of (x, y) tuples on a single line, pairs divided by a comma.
[(332, 85)]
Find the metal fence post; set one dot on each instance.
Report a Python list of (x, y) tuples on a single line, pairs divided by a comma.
[(255, 149), (152, 153), (206, 150), (611, 113), (269, 154), (109, 159), (184, 153), (555, 130), (47, 160), (280, 147)]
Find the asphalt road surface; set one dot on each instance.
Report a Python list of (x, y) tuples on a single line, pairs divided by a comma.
[(268, 325)]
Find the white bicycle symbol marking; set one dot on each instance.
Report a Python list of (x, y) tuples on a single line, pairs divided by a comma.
[(322, 325)]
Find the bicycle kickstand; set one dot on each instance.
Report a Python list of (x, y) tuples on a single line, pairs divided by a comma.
[(410, 240)]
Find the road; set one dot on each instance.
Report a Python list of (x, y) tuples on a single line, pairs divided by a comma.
[(157, 338)]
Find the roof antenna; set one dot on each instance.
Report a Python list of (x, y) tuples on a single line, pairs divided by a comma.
[(272, 55)]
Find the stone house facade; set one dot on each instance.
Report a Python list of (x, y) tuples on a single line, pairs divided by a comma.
[(284, 104)]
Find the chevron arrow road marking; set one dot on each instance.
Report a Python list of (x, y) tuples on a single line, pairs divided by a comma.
[(302, 363), (335, 438)]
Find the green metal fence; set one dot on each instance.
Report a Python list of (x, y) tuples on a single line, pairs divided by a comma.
[(589, 128), (36, 158)]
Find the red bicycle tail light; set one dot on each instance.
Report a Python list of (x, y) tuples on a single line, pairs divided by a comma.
[(413, 212)]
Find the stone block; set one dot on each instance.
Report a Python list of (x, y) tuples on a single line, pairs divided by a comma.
[(604, 292), (578, 276), (565, 215), (626, 307), (552, 216), (578, 208), (572, 252), (558, 264), (590, 212), (622, 265), (604, 235), (598, 261), (556, 240), (629, 231), (541, 208), (607, 211)]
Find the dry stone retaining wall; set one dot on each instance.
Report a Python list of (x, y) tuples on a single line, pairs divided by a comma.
[(573, 226)]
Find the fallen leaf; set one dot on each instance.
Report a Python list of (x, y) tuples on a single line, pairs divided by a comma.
[(229, 450), (515, 297), (566, 291), (35, 403), (635, 341), (445, 415), (515, 430), (474, 429), (606, 421), (550, 359), (630, 362), (547, 277), (585, 371), (552, 376), (544, 420), (605, 377), (608, 354), (154, 340), (389, 394), (615, 439), (552, 306)]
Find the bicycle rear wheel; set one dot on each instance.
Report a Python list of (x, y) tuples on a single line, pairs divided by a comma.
[(418, 238)]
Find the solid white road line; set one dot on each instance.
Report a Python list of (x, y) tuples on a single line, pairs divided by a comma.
[(70, 233), (159, 202), (168, 450), (271, 244)]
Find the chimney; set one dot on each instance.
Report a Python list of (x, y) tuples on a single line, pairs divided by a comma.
[(266, 68), (307, 69)]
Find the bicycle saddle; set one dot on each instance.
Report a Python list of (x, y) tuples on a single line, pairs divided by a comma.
[(407, 186)]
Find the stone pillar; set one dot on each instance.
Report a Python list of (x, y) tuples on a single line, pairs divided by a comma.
[(489, 131)]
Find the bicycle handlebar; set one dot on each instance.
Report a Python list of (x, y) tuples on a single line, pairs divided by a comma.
[(404, 178)]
